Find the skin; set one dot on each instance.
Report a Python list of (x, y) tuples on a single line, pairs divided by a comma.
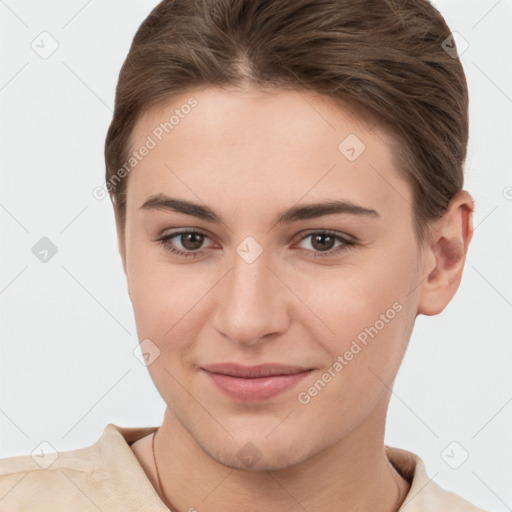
[(249, 154)]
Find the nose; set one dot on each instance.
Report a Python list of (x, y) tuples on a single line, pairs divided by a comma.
[(253, 303)]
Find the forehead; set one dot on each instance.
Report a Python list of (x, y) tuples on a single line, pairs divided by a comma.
[(263, 147)]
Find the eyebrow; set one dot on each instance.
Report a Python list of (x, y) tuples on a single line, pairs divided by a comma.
[(293, 214)]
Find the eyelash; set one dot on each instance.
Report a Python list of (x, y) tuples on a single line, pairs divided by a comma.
[(347, 244)]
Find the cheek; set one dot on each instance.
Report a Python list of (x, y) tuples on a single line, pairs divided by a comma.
[(166, 298), (366, 316), (363, 330), (335, 303), (369, 321), (349, 298)]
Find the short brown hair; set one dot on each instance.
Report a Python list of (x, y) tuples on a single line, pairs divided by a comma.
[(385, 57)]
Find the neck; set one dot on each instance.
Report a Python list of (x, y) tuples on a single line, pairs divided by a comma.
[(354, 474)]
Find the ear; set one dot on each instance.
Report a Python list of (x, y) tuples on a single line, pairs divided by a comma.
[(451, 235)]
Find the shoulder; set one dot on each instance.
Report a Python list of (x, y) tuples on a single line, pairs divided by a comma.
[(50, 478), (425, 495), (104, 476)]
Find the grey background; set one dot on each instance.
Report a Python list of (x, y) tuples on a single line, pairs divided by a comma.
[(66, 325)]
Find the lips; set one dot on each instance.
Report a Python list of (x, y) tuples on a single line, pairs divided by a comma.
[(251, 372), (254, 383)]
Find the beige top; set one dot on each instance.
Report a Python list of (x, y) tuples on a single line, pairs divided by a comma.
[(108, 477)]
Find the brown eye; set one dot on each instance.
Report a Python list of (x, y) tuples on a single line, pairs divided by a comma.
[(322, 242), (191, 241)]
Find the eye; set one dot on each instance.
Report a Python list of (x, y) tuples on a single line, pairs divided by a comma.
[(322, 243), (190, 241)]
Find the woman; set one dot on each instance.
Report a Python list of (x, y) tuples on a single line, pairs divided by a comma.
[(287, 181)]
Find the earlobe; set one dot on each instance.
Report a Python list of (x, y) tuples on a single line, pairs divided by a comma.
[(453, 233)]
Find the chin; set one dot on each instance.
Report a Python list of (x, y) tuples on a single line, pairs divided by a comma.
[(258, 452), (252, 458)]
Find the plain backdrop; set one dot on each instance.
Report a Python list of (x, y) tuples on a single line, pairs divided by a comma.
[(67, 328)]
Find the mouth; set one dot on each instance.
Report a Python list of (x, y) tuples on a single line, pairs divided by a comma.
[(254, 383)]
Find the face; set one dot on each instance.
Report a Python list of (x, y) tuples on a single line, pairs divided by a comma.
[(258, 277)]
